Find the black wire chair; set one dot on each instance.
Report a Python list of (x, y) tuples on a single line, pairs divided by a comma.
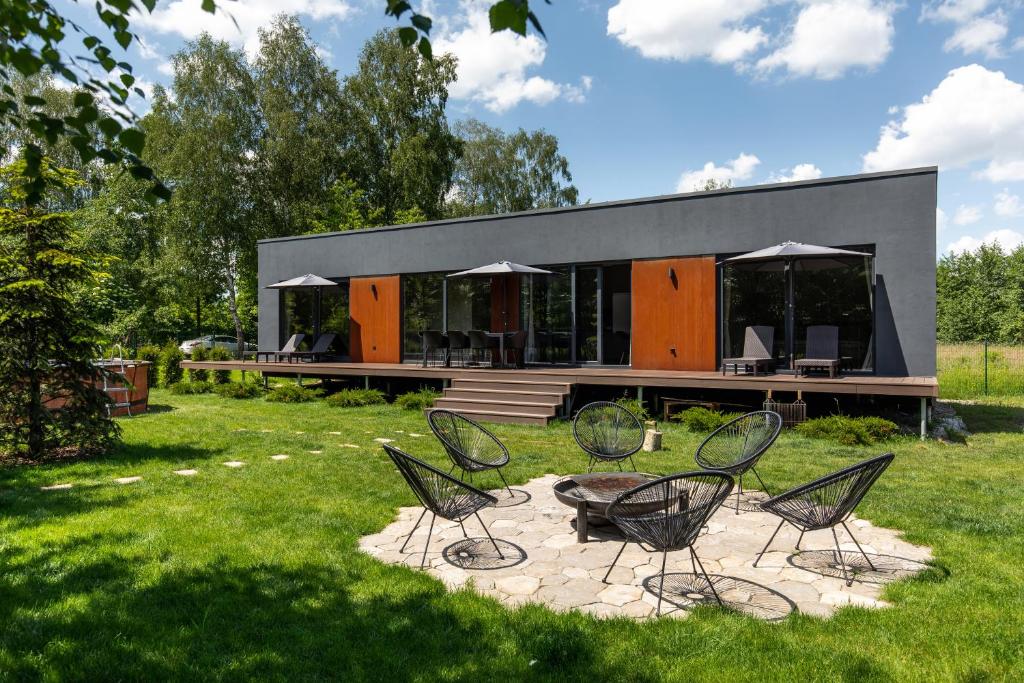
[(826, 503), (668, 514), (442, 495), (607, 432), (736, 446), (471, 447)]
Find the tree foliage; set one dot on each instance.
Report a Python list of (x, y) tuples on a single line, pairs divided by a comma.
[(503, 172), (52, 402), (980, 295)]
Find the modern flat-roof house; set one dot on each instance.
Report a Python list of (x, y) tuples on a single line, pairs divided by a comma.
[(640, 292)]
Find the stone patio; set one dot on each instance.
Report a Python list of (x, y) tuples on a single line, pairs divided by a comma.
[(544, 564)]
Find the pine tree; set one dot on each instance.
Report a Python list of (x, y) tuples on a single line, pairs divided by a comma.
[(52, 402)]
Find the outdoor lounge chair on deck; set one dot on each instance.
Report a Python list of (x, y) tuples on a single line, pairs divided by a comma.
[(319, 350), (757, 350), (822, 350), (289, 347)]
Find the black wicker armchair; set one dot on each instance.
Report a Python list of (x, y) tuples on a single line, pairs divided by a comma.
[(607, 432), (471, 447), (826, 503), (668, 514), (736, 446), (442, 495)]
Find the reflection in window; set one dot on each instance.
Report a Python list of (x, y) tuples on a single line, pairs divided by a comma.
[(469, 304), (752, 294), (836, 292), (298, 312), (334, 318), (547, 316), (299, 316), (422, 309)]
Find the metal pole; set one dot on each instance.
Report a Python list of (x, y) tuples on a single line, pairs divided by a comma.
[(924, 418), (985, 343)]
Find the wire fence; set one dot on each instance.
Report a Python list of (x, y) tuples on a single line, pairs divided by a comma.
[(976, 369)]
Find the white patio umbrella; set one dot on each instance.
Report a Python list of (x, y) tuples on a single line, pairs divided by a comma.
[(781, 257), (308, 280), (501, 268)]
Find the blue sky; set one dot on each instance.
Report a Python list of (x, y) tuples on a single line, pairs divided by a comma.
[(647, 96)]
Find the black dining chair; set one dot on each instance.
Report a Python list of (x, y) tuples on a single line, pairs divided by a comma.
[(480, 346), (607, 432), (458, 348), (669, 514), (435, 348), (442, 495), (736, 446), (470, 447), (827, 502)]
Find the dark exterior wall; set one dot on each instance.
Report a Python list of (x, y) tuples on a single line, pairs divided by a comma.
[(894, 211)]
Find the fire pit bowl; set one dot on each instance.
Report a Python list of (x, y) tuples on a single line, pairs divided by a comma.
[(592, 493)]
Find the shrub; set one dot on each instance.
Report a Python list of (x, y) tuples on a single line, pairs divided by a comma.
[(292, 393), (703, 420), (190, 387), (219, 376), (194, 374), (635, 406), (151, 354), (353, 398), (418, 400), (849, 431), (238, 390), (170, 364)]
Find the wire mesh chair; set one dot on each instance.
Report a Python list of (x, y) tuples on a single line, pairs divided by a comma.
[(471, 447), (607, 432), (827, 502), (736, 446), (442, 495), (668, 514)]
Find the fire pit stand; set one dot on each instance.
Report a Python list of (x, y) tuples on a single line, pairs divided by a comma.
[(591, 494)]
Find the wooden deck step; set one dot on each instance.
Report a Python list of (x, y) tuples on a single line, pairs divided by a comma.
[(503, 417), (499, 394), (497, 406), (513, 385)]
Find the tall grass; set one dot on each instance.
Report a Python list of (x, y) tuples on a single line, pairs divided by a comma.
[(961, 370)]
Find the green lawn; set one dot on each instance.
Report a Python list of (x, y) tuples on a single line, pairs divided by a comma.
[(254, 572)]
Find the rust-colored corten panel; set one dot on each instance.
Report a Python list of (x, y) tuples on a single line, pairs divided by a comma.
[(375, 330), (674, 326), (498, 283)]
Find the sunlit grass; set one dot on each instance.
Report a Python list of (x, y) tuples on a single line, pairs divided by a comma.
[(255, 573)]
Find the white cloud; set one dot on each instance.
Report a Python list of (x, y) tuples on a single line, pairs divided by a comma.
[(974, 115), (493, 67), (187, 18), (941, 220), (981, 35), (740, 168), (831, 37), (719, 30), (974, 32), (966, 215), (1008, 205), (1007, 239), (798, 172)]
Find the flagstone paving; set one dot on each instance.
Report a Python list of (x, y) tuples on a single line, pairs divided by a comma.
[(538, 560)]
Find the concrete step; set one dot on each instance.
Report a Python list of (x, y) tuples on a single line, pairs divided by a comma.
[(503, 417), (512, 385), (496, 406), (555, 399)]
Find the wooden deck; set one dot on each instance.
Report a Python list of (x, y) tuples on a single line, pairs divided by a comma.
[(864, 385)]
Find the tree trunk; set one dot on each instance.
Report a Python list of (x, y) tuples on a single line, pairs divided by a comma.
[(233, 307)]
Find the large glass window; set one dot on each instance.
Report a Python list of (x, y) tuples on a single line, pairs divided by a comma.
[(753, 294), (422, 309), (298, 311), (587, 283), (299, 316), (547, 316), (836, 292), (469, 304), (616, 314), (334, 317)]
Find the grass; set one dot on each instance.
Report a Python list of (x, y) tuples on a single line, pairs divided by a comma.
[(254, 572), (961, 370)]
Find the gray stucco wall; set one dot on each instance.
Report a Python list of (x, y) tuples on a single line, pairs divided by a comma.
[(895, 211)]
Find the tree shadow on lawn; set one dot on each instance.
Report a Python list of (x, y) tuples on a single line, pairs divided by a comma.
[(68, 612), (991, 419), (142, 452), (29, 506)]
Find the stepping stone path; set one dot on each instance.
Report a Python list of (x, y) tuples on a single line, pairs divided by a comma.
[(383, 440), (187, 473), (56, 487), (415, 436), (233, 463), (316, 452), (546, 565), (349, 445), (334, 433), (280, 456), (128, 480)]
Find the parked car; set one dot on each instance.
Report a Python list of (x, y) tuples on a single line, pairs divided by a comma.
[(209, 341)]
